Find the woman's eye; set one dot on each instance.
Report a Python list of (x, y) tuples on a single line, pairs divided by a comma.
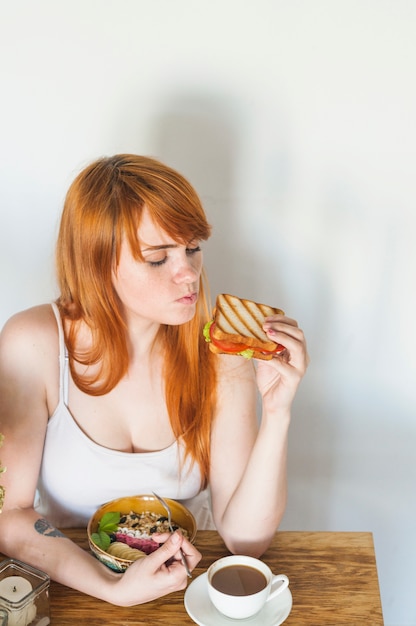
[(157, 263), (191, 251)]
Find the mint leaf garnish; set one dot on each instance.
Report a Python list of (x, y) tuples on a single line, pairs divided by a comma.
[(108, 524), (101, 539)]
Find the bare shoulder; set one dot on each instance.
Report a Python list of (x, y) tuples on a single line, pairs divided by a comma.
[(38, 319), (28, 334)]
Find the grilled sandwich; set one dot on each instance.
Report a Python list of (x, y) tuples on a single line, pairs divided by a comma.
[(237, 328)]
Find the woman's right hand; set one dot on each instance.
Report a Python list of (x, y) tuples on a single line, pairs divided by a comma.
[(157, 574)]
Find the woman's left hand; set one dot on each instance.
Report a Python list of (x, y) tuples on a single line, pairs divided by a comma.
[(279, 378)]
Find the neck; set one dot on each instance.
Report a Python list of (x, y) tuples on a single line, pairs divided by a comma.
[(141, 337)]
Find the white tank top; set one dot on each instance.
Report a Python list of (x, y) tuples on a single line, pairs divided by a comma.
[(77, 475)]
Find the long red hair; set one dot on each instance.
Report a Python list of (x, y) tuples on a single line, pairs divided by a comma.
[(103, 204)]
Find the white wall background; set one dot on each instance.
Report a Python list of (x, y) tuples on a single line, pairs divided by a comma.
[(295, 120)]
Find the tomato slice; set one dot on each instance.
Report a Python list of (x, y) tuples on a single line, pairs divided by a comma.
[(223, 344), (234, 347)]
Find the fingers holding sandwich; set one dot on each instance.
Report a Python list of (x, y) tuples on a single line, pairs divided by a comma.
[(285, 331), (241, 327), (279, 378), (244, 328), (281, 329)]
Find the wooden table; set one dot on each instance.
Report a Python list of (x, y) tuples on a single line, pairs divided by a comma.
[(333, 580)]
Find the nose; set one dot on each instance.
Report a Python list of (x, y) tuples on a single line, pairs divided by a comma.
[(186, 270)]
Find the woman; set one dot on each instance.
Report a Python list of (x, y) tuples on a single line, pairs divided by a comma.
[(112, 390)]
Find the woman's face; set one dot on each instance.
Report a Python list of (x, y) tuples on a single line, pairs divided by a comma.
[(164, 288)]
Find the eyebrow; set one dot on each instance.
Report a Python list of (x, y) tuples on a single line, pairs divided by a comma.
[(161, 247)]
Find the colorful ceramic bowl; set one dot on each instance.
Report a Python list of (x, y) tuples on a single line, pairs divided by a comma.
[(181, 517)]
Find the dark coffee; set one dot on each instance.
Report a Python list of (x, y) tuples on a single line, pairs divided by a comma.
[(238, 580)]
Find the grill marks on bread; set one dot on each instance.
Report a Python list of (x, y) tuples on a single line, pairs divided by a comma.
[(238, 319)]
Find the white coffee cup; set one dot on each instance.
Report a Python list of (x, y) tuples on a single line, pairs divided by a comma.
[(240, 592)]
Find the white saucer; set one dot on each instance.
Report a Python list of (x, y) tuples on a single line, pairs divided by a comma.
[(204, 613)]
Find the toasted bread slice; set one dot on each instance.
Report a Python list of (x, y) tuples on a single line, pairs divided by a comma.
[(239, 321)]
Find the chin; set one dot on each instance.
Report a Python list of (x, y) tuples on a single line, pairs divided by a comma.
[(186, 316)]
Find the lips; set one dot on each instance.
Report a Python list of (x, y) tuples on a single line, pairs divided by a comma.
[(190, 298)]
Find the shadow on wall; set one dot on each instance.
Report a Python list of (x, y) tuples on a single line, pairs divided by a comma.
[(202, 138), (205, 139)]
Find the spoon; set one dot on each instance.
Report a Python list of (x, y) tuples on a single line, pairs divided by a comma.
[(168, 511)]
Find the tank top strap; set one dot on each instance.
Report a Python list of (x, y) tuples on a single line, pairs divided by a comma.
[(63, 359)]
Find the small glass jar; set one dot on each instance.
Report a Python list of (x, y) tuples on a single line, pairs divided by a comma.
[(24, 594)]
